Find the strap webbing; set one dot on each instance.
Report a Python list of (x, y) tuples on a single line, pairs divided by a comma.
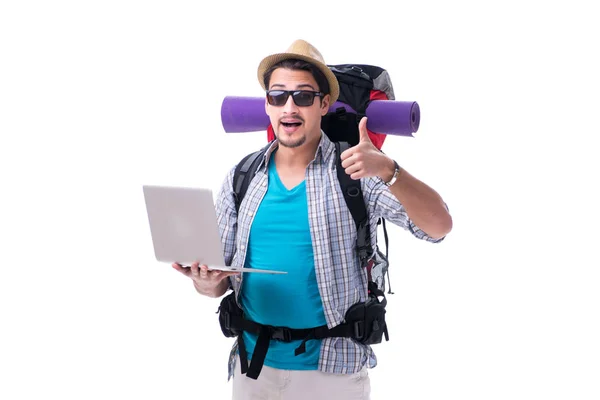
[(356, 204)]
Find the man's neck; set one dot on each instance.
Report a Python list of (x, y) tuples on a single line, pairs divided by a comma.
[(296, 157)]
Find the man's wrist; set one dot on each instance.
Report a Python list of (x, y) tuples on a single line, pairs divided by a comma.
[(391, 174), (214, 291)]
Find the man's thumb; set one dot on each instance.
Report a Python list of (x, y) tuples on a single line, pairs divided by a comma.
[(362, 130)]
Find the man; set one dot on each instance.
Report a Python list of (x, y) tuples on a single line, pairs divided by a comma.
[(294, 218)]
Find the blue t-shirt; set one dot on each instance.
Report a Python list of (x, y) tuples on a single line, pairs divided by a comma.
[(280, 240)]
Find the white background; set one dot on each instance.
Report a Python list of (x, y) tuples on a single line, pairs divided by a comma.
[(99, 98)]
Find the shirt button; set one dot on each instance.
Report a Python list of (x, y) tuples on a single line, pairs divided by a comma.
[(242, 247), (238, 279), (250, 213), (264, 183)]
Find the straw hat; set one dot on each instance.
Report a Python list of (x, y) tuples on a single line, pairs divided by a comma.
[(301, 50)]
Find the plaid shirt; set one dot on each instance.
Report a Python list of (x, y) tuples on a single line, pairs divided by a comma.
[(341, 280)]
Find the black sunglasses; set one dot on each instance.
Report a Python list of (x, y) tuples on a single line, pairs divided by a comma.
[(302, 98)]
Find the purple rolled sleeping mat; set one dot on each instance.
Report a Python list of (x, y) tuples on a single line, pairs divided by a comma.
[(247, 114)]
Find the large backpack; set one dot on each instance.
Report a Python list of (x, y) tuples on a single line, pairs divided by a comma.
[(359, 84)]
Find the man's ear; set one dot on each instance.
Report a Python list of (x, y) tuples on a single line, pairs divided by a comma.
[(325, 104)]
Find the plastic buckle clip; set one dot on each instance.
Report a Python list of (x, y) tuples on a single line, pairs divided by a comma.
[(281, 333), (359, 330)]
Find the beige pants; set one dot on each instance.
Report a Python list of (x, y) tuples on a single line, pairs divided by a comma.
[(277, 384)]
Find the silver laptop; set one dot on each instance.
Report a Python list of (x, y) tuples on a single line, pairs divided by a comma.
[(183, 226)]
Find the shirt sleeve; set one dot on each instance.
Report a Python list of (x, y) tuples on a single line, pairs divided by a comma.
[(227, 217), (383, 204)]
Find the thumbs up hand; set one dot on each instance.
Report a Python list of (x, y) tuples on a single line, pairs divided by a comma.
[(362, 131), (364, 159)]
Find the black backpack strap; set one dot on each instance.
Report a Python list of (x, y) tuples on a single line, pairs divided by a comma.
[(356, 204), (244, 172), (387, 246)]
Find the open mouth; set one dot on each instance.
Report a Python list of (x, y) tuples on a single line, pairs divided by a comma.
[(291, 124)]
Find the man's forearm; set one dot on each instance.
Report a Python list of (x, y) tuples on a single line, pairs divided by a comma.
[(423, 205)]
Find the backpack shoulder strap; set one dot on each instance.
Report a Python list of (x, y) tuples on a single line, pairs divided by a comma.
[(354, 199), (243, 174)]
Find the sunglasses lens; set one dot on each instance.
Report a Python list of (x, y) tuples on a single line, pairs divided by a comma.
[(303, 98), (277, 97)]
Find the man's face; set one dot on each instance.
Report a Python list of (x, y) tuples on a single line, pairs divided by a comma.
[(294, 125)]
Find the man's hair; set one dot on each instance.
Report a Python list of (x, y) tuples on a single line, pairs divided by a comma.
[(300, 65)]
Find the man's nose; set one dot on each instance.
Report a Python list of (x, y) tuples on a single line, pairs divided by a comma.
[(290, 106)]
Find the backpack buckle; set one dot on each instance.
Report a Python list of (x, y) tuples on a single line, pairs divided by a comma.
[(357, 70), (359, 330), (281, 333), (341, 113)]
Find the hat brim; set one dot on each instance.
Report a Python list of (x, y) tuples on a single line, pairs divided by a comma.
[(268, 62)]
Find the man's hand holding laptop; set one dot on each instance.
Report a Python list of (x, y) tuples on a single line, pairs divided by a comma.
[(213, 283)]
